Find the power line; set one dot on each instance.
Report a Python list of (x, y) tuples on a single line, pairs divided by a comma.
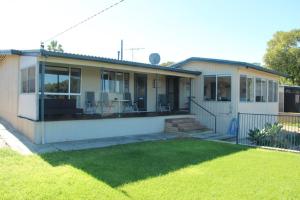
[(85, 20)]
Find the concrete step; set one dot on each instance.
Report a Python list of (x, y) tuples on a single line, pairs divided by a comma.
[(182, 125)]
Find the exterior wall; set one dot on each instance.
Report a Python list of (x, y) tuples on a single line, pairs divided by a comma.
[(9, 87), (60, 131), (224, 111), (257, 107)]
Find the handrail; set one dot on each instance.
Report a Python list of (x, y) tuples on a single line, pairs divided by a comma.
[(212, 114)]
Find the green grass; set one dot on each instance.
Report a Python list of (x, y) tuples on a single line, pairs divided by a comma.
[(177, 169)]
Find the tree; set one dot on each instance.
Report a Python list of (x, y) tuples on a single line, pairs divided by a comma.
[(283, 54), (54, 46), (165, 64)]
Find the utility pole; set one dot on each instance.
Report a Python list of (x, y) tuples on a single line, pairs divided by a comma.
[(132, 51)]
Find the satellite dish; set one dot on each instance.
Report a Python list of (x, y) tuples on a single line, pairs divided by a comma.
[(154, 58)]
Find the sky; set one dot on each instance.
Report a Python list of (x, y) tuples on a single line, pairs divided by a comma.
[(225, 29)]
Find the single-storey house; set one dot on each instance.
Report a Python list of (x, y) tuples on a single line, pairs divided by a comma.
[(53, 96)]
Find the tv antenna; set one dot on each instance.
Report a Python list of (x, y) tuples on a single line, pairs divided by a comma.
[(133, 50)]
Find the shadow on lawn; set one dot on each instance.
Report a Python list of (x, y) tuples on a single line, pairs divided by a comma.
[(133, 162)]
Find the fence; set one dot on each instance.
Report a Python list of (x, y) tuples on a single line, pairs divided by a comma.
[(280, 131)]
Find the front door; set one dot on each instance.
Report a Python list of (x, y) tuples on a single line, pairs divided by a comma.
[(172, 84), (140, 91)]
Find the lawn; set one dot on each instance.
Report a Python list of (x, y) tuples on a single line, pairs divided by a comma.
[(177, 169)]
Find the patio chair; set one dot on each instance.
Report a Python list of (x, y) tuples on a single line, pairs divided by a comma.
[(90, 103), (164, 105), (129, 106), (105, 102)]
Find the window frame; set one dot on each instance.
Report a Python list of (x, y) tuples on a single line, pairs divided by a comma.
[(27, 80), (121, 90), (274, 90), (262, 89), (69, 93), (253, 78), (216, 87)]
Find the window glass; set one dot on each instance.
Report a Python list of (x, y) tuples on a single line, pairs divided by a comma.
[(271, 91), (275, 92), (31, 79), (24, 80), (105, 82), (119, 82), (111, 81), (115, 82), (250, 89), (75, 80), (261, 90), (210, 88), (28, 80), (264, 91), (243, 88), (56, 79), (224, 88), (126, 82)]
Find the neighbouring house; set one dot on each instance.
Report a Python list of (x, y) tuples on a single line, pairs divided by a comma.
[(54, 97), (289, 98)]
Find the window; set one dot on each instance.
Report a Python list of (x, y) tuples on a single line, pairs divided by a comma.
[(75, 80), (273, 91), (261, 90), (119, 82), (56, 79), (224, 88), (62, 80), (28, 80), (210, 88), (115, 82), (217, 88), (246, 89)]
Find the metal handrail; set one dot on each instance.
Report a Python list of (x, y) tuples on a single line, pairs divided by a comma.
[(212, 114)]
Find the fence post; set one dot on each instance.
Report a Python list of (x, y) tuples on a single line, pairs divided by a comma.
[(238, 129)]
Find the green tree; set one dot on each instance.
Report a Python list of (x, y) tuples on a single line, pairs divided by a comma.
[(283, 54), (165, 64), (54, 46)]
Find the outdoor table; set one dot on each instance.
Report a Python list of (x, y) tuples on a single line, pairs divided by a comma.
[(119, 101)]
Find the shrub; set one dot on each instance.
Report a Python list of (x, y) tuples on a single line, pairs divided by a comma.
[(270, 135)]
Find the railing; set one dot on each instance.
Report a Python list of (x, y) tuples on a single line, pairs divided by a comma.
[(203, 115), (279, 131)]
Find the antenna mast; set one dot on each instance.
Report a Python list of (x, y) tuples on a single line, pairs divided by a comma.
[(133, 50)]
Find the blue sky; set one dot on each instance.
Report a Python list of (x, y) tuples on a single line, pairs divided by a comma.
[(228, 29)]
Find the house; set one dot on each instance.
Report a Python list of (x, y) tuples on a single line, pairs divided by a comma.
[(53, 96), (289, 98)]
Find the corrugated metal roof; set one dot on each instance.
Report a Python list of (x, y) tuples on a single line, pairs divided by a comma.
[(229, 62), (41, 52)]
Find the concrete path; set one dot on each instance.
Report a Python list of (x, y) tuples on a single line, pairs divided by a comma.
[(17, 142), (9, 137)]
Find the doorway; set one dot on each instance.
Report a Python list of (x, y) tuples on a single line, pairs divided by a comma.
[(140, 91), (172, 91)]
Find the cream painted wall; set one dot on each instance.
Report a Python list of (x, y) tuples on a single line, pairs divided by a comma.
[(224, 111), (9, 87), (60, 131)]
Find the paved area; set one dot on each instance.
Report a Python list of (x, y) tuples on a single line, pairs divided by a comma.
[(11, 138)]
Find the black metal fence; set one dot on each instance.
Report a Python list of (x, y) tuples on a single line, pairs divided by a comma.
[(279, 131)]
